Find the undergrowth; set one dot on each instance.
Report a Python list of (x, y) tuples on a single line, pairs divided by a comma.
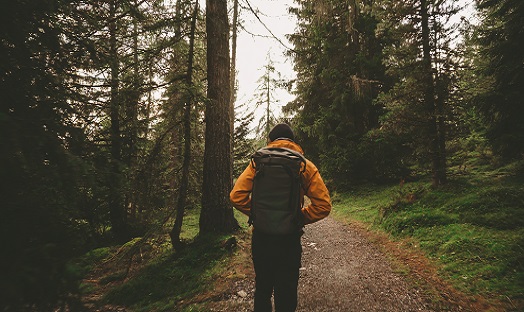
[(162, 280), (473, 226), (172, 277)]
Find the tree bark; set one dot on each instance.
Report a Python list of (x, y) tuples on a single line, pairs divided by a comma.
[(233, 67), (132, 123), (117, 212), (217, 213), (184, 180), (438, 164), (268, 100)]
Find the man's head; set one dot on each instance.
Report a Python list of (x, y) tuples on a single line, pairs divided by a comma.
[(281, 131)]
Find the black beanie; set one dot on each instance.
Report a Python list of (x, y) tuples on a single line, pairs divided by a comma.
[(281, 130)]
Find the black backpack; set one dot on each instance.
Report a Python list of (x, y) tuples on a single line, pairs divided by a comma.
[(275, 198)]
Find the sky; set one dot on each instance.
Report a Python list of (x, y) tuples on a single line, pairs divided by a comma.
[(255, 42)]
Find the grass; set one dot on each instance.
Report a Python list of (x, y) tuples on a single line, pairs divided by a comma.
[(172, 277), (166, 280), (473, 227)]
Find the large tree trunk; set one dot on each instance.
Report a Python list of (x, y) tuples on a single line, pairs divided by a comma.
[(184, 180), (217, 213), (438, 167)]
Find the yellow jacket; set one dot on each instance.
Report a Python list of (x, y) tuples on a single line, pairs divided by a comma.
[(313, 187)]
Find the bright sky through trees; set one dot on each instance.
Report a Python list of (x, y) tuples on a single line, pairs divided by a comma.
[(255, 42)]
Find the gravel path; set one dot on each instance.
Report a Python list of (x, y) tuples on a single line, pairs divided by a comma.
[(341, 271)]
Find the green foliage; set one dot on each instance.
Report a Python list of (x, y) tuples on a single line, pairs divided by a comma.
[(243, 145), (339, 68), (83, 135), (473, 227), (500, 56), (266, 98), (88, 261), (190, 228), (422, 102), (43, 189), (382, 157), (172, 277), (162, 277), (64, 156), (478, 259)]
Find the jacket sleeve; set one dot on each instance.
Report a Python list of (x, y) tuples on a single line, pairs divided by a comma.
[(240, 196), (317, 192)]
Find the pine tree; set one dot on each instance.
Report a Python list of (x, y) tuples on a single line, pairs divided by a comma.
[(243, 145), (184, 179), (501, 43), (420, 60), (43, 169), (266, 99), (339, 69)]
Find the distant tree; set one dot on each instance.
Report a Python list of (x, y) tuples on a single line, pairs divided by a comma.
[(243, 145), (467, 132), (339, 68), (265, 97), (234, 34), (117, 210), (501, 43), (421, 62), (217, 213), (112, 81), (148, 38), (184, 179)]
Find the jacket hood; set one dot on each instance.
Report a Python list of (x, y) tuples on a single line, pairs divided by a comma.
[(287, 144)]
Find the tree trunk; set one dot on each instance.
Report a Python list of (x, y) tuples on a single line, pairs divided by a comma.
[(132, 121), (117, 211), (441, 140), (268, 102), (217, 213), (438, 165), (176, 98), (184, 181), (233, 68)]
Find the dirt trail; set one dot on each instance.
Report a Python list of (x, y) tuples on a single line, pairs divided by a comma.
[(342, 270)]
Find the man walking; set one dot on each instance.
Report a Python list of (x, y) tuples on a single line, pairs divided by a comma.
[(276, 248)]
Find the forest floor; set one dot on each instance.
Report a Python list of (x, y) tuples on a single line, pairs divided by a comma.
[(345, 267)]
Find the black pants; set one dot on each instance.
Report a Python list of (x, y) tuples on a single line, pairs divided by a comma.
[(276, 259)]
